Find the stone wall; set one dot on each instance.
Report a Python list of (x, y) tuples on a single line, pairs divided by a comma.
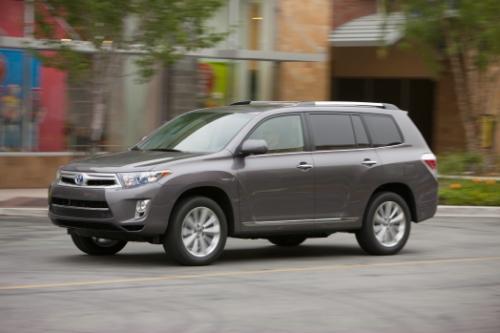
[(303, 26), (31, 171), (347, 10)]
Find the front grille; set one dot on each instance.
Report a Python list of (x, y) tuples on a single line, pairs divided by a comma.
[(79, 203), (101, 182), (87, 225), (72, 211), (83, 179), (68, 180)]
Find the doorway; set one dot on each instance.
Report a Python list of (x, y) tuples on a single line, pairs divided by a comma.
[(413, 95)]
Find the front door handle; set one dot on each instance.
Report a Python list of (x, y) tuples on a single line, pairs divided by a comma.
[(304, 166), (368, 162)]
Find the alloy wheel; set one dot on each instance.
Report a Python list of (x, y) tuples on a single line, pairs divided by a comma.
[(389, 223), (201, 231)]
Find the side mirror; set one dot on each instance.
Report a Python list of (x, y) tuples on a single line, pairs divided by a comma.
[(253, 147)]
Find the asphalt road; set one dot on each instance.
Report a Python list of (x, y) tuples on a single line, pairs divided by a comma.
[(447, 279)]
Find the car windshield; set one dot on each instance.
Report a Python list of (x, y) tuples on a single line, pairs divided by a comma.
[(201, 131)]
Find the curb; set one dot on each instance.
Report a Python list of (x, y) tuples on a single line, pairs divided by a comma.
[(468, 177), (472, 211), (442, 211)]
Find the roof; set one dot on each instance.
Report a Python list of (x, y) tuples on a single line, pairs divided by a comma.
[(372, 30)]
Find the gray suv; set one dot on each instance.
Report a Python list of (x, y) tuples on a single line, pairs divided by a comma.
[(283, 171)]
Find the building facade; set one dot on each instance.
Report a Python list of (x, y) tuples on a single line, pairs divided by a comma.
[(275, 49), (368, 64)]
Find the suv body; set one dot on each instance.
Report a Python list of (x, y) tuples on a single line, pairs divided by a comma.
[(278, 170)]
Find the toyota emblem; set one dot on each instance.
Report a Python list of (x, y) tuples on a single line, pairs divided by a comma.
[(79, 179)]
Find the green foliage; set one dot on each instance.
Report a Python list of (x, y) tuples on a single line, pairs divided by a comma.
[(469, 193), (460, 163), (159, 31), (447, 28)]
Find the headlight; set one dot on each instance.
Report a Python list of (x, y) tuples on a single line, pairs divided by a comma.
[(58, 175), (133, 179)]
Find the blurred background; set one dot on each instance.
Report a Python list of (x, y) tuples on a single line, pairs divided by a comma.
[(80, 77)]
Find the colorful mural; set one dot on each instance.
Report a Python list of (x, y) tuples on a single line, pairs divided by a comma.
[(213, 83), (19, 125), (35, 126)]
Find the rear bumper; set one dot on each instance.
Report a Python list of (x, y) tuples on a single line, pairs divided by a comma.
[(427, 201), (112, 211)]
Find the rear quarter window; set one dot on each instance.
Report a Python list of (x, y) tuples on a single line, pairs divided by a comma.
[(383, 130)]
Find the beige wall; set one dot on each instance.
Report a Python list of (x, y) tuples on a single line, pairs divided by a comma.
[(376, 62), (30, 171), (303, 26)]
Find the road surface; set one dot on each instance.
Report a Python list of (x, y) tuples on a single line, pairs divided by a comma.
[(447, 279)]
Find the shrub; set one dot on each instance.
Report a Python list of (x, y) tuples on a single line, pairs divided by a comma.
[(460, 163)]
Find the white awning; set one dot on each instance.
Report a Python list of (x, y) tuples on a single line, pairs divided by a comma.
[(371, 30)]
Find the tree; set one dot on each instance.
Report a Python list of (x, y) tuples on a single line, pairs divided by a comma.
[(465, 36), (156, 31)]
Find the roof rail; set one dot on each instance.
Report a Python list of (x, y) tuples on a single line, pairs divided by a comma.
[(321, 103), (264, 102), (354, 104)]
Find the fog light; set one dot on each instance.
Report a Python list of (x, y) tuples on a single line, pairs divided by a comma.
[(141, 207)]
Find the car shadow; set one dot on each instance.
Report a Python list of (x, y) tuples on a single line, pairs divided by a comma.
[(271, 252), (239, 255)]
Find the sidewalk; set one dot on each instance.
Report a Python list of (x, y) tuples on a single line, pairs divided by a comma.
[(33, 202), (12, 198)]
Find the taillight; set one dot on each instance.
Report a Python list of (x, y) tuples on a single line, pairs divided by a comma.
[(430, 162)]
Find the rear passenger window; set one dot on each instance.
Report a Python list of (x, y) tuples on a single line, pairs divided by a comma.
[(383, 130), (332, 131), (359, 132)]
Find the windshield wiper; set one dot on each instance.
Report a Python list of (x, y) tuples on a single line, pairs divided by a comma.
[(166, 149)]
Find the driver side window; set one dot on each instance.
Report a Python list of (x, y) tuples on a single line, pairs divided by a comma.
[(283, 134)]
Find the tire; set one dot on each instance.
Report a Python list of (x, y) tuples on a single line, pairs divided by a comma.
[(385, 236), (197, 232), (287, 241), (98, 246)]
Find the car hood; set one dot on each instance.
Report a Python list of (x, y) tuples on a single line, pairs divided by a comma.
[(129, 161)]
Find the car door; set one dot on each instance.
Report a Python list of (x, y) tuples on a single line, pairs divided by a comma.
[(277, 187), (345, 165)]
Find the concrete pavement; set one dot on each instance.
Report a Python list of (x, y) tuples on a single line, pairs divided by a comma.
[(447, 279)]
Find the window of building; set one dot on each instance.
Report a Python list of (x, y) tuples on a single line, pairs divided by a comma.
[(332, 131), (383, 130), (282, 134)]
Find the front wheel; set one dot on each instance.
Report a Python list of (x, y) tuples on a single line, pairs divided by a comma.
[(386, 225), (197, 232), (97, 246)]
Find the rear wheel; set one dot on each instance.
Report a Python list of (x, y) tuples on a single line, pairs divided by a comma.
[(287, 241), (97, 246), (197, 232), (386, 225)]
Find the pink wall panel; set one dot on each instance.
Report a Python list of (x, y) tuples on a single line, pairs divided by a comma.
[(54, 101), (11, 18)]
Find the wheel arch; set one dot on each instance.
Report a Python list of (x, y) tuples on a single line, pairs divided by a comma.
[(404, 191), (216, 194)]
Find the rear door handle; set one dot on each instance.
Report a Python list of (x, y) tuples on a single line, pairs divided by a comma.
[(304, 166), (368, 162)]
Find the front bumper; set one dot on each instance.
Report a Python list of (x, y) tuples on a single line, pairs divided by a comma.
[(110, 211)]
